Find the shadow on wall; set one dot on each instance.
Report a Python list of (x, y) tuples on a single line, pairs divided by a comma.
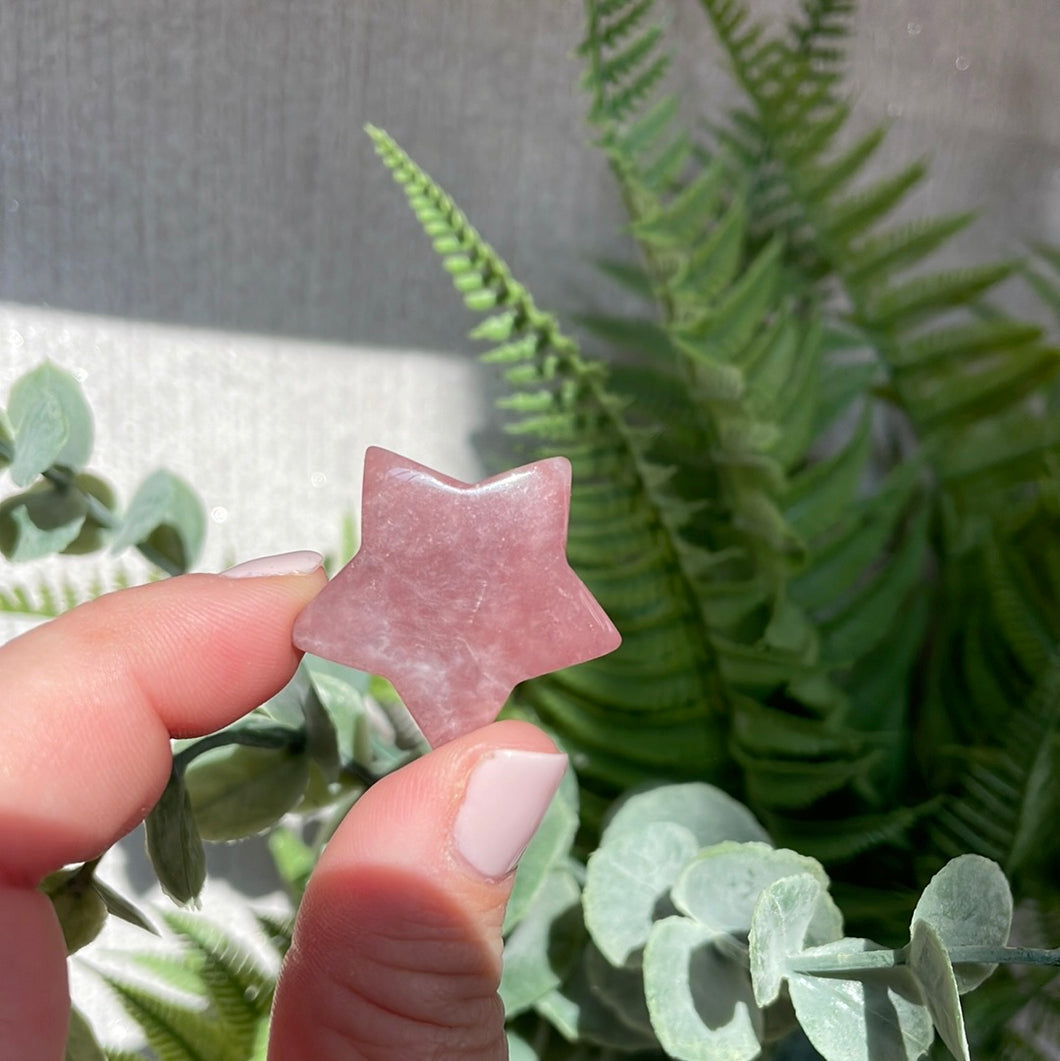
[(199, 162), (204, 163)]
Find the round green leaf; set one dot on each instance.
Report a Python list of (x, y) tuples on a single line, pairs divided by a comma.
[(879, 1016), (52, 423), (701, 1004), (7, 441), (579, 1014), (968, 903), (541, 950), (78, 906), (322, 739), (627, 881), (166, 513), (93, 533), (547, 850), (238, 791), (929, 962), (345, 704), (173, 843), (709, 814), (790, 914), (40, 521), (293, 857), (719, 888), (519, 1049), (621, 989)]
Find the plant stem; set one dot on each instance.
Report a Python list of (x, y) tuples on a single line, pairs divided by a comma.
[(250, 735), (63, 478), (866, 961)]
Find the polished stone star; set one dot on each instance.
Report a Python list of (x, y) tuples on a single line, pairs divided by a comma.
[(459, 591)]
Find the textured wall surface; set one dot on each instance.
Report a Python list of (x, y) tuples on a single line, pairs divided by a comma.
[(202, 162)]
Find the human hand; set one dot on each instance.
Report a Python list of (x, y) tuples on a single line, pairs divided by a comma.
[(397, 946)]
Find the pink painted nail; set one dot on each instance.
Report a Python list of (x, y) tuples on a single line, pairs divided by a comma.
[(302, 562), (506, 798)]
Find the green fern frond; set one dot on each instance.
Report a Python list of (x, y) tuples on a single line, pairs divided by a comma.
[(1042, 274), (849, 219), (844, 838), (881, 254), (908, 303), (754, 364), (1007, 795), (852, 545), (957, 344), (207, 1002), (987, 386), (877, 605), (561, 403), (174, 1031), (815, 32), (635, 66), (822, 493), (237, 987), (47, 596)]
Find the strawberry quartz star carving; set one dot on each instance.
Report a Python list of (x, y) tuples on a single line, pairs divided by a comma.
[(459, 591)]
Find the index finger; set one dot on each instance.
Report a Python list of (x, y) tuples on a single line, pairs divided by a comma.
[(89, 701)]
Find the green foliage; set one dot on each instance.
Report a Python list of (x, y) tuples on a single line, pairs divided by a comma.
[(209, 1001), (45, 598), (46, 436), (811, 484)]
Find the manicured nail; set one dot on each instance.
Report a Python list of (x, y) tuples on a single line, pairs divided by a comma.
[(302, 562), (506, 798)]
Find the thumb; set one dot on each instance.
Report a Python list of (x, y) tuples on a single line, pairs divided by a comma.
[(397, 946)]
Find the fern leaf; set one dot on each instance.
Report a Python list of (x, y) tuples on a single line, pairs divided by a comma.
[(960, 343), (175, 1032), (852, 216), (691, 210), (823, 492), (714, 261), (902, 246), (627, 16), (577, 414), (842, 839), (875, 609), (1022, 618), (48, 596), (237, 987), (1003, 801), (984, 389), (649, 126), (619, 66), (843, 557), (1000, 454), (774, 781), (826, 179), (911, 301), (807, 140), (723, 332)]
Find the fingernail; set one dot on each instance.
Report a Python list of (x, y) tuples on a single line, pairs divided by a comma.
[(302, 562), (506, 798)]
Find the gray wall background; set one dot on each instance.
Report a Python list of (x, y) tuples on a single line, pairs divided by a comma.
[(201, 162)]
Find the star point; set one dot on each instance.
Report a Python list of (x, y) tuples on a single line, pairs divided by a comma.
[(459, 591)]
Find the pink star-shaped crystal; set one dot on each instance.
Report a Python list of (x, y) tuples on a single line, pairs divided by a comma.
[(459, 590)]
